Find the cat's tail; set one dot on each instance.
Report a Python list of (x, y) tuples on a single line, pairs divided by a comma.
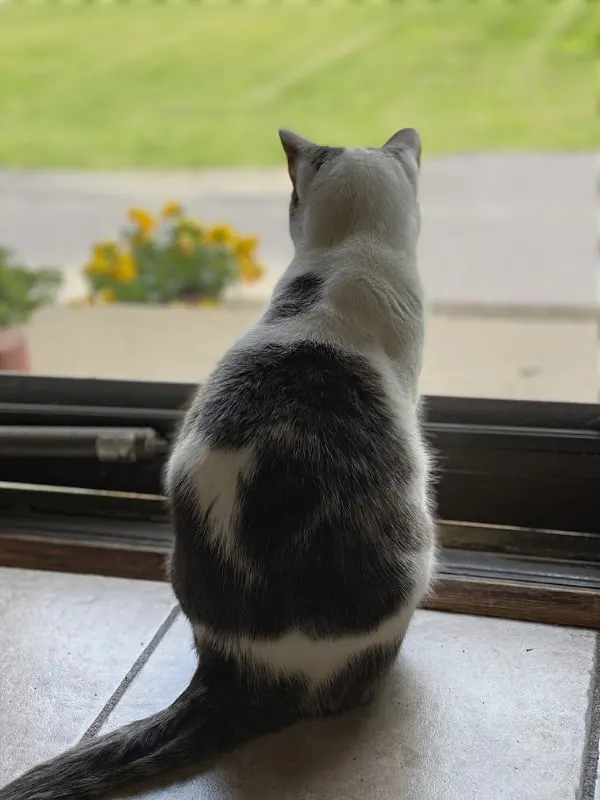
[(213, 715)]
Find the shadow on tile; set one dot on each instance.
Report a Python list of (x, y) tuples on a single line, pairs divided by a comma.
[(315, 759)]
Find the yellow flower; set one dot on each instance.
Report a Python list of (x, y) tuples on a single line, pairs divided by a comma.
[(171, 209), (126, 270), (245, 247), (144, 221), (104, 255), (250, 271), (207, 302), (221, 234)]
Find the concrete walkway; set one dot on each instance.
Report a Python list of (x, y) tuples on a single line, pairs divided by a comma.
[(501, 230), (482, 356)]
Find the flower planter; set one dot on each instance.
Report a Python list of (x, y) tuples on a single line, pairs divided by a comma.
[(14, 353), (170, 259)]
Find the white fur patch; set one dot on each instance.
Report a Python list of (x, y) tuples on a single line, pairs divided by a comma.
[(212, 477), (319, 660), (214, 481)]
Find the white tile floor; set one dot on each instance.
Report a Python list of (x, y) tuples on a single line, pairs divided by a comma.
[(475, 709), (66, 642)]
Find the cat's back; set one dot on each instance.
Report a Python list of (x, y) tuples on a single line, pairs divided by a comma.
[(304, 395), (305, 470), (304, 422)]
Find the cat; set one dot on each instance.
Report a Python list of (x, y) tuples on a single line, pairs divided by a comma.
[(298, 485)]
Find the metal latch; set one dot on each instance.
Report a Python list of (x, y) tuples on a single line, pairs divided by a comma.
[(105, 444)]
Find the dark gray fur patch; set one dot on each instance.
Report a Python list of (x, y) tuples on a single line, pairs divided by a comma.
[(321, 155), (294, 201), (302, 294), (358, 682), (325, 514)]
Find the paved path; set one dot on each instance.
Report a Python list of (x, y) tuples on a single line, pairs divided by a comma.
[(511, 229)]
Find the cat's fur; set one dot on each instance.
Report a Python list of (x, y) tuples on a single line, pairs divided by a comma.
[(298, 485)]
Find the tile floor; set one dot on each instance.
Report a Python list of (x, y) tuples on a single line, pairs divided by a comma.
[(475, 709)]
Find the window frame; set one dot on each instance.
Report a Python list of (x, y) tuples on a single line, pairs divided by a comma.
[(517, 484)]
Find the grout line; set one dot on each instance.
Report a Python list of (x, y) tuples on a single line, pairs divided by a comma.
[(116, 696), (589, 775)]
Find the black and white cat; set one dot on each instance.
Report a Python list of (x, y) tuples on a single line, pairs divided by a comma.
[(298, 485)]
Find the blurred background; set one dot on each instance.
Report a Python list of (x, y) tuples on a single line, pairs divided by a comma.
[(143, 193)]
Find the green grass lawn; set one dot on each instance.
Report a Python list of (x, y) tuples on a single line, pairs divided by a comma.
[(192, 84)]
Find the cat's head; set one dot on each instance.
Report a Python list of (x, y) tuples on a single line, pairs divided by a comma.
[(340, 192)]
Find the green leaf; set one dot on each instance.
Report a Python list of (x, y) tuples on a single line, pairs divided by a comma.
[(23, 290)]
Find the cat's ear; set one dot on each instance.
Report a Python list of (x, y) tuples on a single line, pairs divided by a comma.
[(294, 147), (408, 138)]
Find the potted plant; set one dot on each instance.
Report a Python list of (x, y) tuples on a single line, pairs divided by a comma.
[(22, 291), (170, 259)]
